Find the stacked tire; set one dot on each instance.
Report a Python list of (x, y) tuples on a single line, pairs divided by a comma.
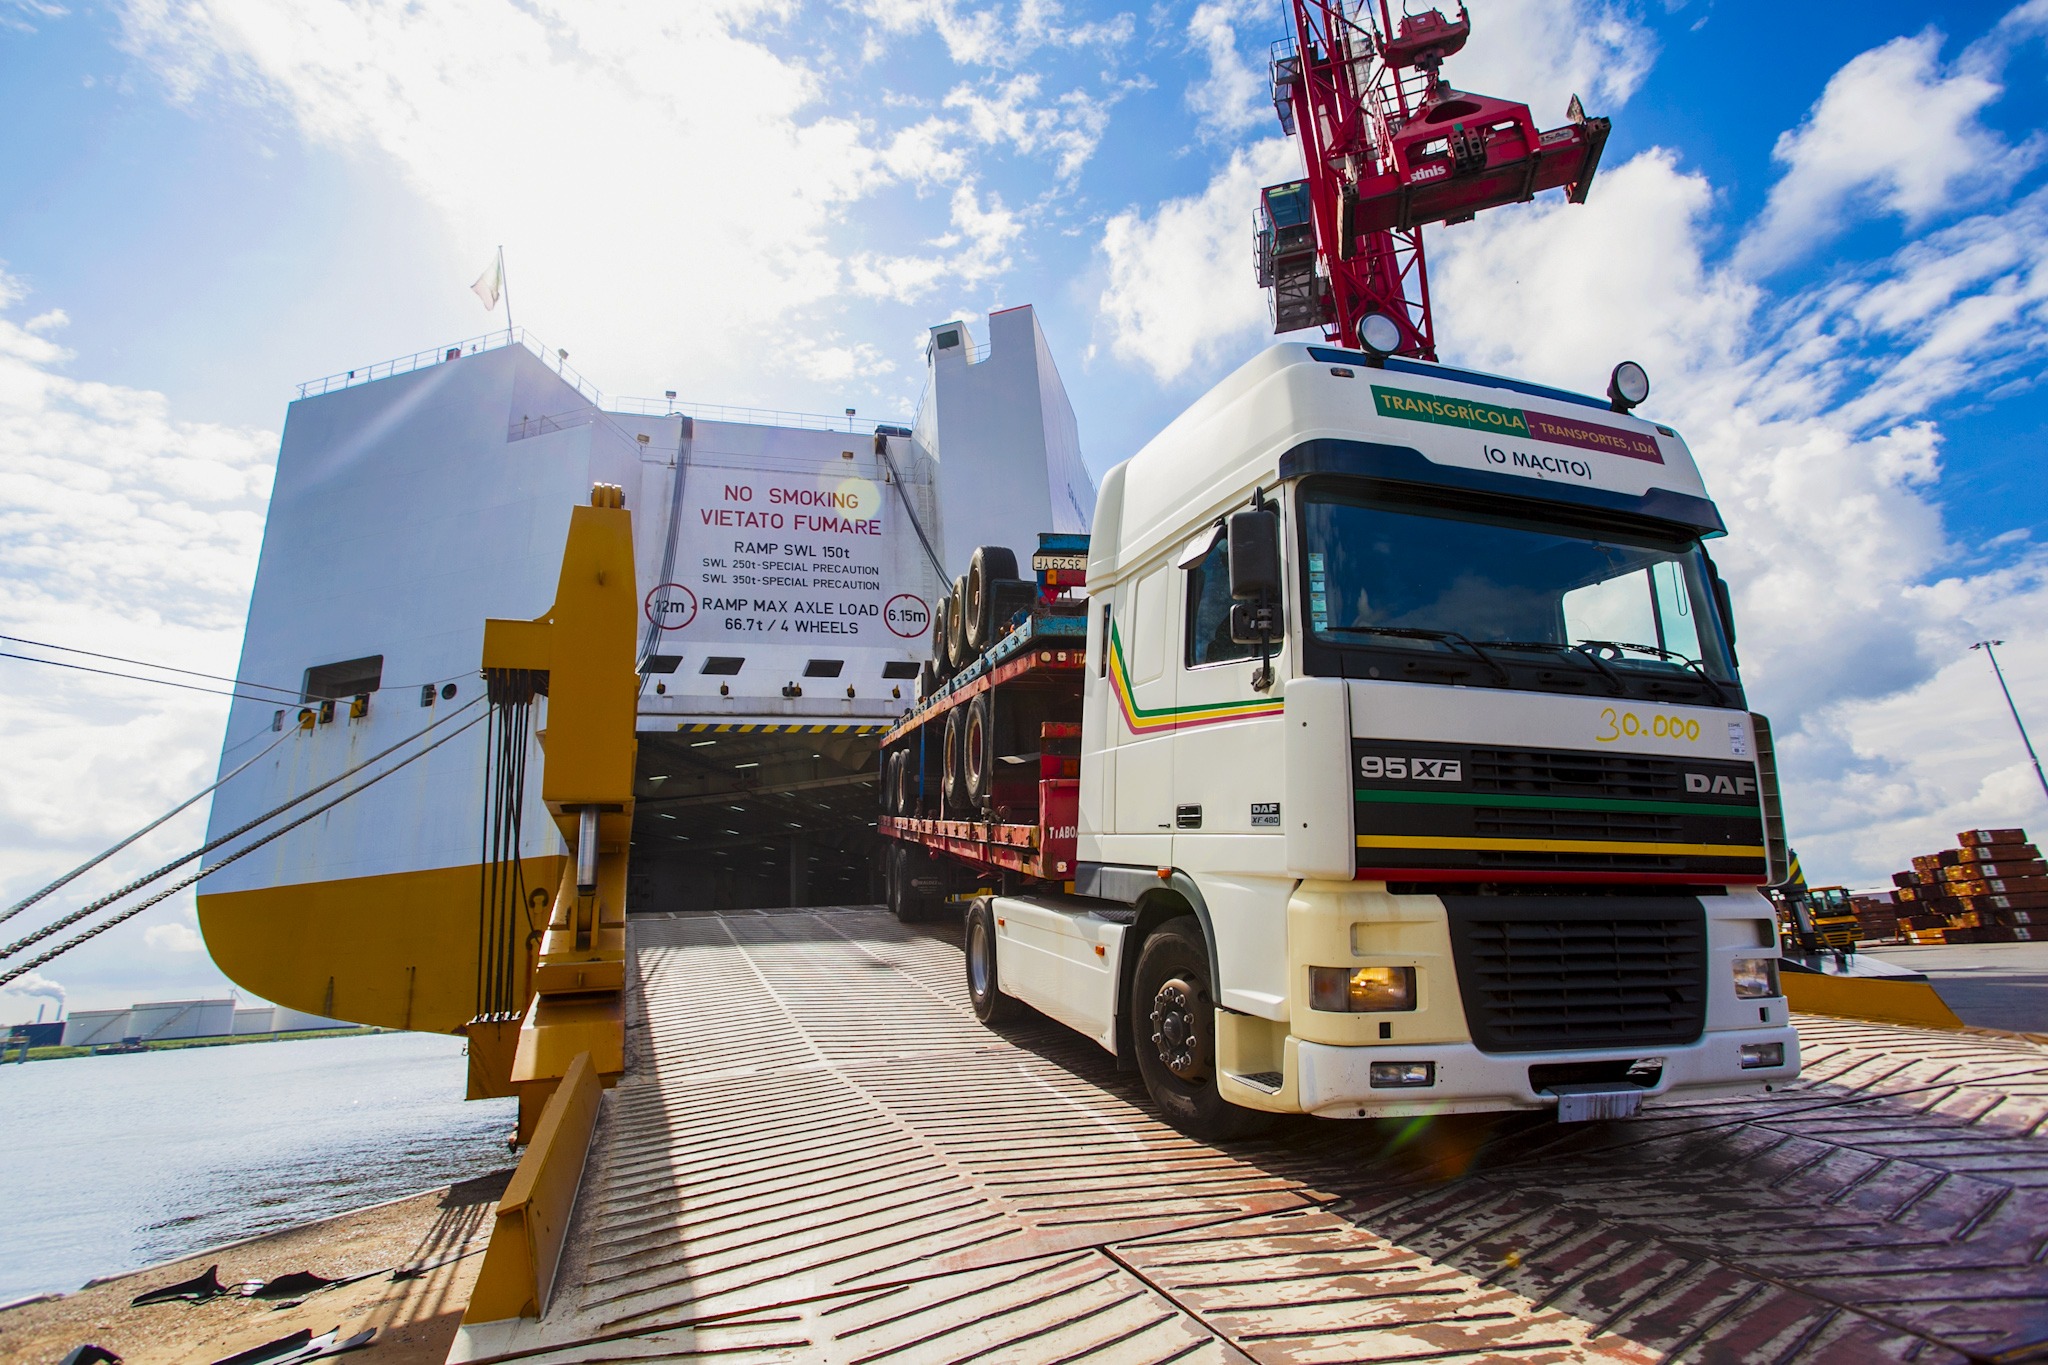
[(976, 613)]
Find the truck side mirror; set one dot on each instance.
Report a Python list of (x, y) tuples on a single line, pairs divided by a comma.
[(1254, 555), (1724, 603)]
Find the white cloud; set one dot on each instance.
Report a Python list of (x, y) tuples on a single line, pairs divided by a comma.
[(1542, 52), (126, 531), (1896, 132), (1181, 287), (976, 34), (668, 189), (1068, 126), (1234, 96), (174, 938), (33, 984), (975, 250)]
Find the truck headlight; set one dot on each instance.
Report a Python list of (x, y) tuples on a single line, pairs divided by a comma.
[(1756, 1055), (1401, 1075), (1756, 977), (1361, 990)]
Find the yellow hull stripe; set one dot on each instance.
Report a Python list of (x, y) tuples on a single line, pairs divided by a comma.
[(1556, 845)]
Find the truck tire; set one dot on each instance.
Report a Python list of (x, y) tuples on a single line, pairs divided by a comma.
[(942, 656), (978, 752), (956, 625), (907, 866), (984, 987), (1173, 1031), (989, 564), (899, 783), (952, 781)]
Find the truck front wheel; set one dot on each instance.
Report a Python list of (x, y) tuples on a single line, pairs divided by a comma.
[(1173, 1030), (984, 988)]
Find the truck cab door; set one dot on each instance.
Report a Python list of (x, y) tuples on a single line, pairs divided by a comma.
[(1228, 747), (1141, 720)]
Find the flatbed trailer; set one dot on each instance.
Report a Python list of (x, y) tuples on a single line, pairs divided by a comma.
[(817, 1154), (1026, 829)]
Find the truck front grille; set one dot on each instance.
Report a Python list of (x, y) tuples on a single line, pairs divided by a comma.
[(1557, 972)]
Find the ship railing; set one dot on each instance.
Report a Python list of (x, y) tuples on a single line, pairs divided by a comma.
[(555, 360)]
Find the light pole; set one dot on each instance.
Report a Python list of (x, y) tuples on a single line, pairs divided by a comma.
[(1986, 646)]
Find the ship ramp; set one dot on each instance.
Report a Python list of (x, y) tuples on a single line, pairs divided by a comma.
[(818, 1154)]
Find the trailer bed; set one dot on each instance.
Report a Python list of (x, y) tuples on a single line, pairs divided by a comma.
[(817, 1154)]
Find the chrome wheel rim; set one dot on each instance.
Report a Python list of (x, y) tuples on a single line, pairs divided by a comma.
[(977, 960)]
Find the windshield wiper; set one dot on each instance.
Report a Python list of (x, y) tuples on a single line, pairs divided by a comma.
[(1614, 680), (1669, 656), (1448, 637)]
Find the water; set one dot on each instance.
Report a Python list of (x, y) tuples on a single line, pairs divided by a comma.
[(111, 1163)]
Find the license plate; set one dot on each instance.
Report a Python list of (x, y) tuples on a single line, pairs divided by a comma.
[(1587, 1103)]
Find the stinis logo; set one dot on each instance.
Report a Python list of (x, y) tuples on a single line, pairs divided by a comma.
[(1720, 786)]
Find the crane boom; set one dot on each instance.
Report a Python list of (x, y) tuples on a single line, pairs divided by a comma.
[(1389, 147)]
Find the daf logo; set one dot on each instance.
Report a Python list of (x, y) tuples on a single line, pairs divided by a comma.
[(1720, 786)]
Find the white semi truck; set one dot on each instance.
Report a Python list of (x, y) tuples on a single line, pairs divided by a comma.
[(1381, 752)]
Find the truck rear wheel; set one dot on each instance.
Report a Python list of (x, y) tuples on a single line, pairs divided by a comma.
[(984, 988), (1173, 1031), (913, 883)]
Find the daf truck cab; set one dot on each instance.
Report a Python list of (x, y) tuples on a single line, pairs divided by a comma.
[(1415, 773)]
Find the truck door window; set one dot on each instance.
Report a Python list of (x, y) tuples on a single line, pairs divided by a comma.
[(1208, 611)]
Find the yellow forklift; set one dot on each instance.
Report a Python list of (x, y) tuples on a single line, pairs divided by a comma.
[(1814, 919)]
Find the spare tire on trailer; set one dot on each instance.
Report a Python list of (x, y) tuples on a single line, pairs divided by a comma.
[(942, 654), (956, 625), (989, 564), (906, 785), (978, 752), (952, 774), (893, 773)]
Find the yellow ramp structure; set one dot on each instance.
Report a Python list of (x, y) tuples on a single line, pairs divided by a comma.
[(1863, 988)]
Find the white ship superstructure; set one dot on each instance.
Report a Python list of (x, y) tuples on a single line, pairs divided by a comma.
[(788, 567)]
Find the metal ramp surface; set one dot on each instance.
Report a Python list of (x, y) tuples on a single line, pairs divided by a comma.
[(818, 1154)]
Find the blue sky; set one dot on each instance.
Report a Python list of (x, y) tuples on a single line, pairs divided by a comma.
[(1823, 234)]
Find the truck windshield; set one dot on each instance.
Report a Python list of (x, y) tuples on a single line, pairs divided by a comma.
[(1499, 590)]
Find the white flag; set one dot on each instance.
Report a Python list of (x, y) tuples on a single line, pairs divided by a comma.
[(491, 283)]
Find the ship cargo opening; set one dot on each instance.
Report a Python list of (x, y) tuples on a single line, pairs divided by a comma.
[(755, 817)]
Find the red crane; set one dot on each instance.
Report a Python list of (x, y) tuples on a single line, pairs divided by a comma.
[(1390, 146)]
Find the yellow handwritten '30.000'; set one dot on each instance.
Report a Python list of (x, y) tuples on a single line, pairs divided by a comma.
[(1627, 724)]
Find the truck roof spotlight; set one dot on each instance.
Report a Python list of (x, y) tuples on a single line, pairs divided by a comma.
[(1627, 386), (1379, 334)]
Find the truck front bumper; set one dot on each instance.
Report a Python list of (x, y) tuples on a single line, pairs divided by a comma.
[(1335, 1082)]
